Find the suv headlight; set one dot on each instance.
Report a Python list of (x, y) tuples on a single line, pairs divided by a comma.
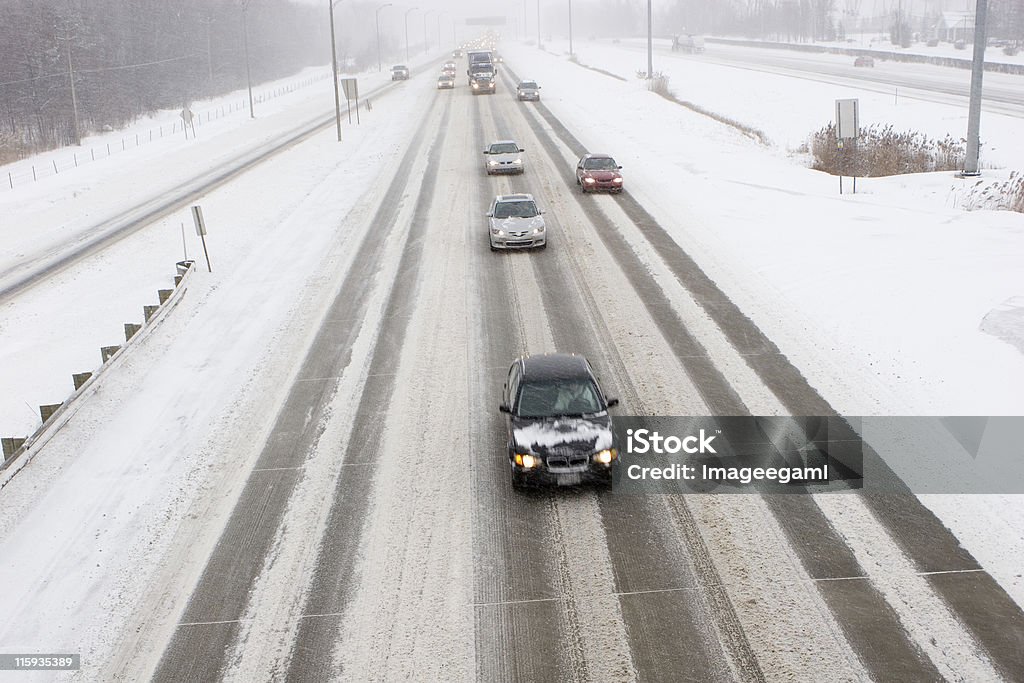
[(606, 456)]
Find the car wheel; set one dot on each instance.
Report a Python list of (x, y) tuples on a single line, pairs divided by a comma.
[(583, 188)]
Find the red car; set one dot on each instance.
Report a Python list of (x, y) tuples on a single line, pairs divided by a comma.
[(598, 172)]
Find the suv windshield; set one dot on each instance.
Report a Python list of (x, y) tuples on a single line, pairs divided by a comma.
[(519, 209), (600, 164), (505, 148), (528, 85), (550, 399)]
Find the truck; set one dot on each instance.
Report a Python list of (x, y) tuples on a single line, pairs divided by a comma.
[(479, 62)]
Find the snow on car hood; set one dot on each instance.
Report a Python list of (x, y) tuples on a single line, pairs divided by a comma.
[(517, 224), (583, 434)]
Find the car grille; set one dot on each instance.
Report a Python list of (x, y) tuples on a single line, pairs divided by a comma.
[(557, 461)]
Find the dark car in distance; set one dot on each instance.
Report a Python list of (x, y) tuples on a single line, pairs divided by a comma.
[(482, 83), (559, 429), (598, 172)]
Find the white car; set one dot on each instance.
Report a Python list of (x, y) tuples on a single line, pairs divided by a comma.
[(515, 222), (504, 156)]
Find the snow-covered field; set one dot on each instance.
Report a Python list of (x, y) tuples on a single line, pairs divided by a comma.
[(877, 297)]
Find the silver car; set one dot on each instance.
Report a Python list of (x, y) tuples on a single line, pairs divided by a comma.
[(515, 222), (504, 156)]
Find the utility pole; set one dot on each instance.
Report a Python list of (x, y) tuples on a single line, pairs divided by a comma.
[(974, 111), (334, 69)]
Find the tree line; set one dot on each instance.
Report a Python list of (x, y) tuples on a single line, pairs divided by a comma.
[(71, 67)]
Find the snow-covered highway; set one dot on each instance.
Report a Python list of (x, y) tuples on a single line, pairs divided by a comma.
[(302, 475)]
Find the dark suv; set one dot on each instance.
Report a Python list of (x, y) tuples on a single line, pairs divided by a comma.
[(559, 429)]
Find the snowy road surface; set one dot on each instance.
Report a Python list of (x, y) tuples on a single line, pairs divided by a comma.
[(329, 409)]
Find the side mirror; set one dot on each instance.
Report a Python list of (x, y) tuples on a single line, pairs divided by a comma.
[(521, 149), (612, 402), (487, 151), (619, 167), (503, 407), (489, 215), (542, 211)]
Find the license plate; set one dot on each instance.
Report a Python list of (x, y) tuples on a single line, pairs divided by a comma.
[(568, 479)]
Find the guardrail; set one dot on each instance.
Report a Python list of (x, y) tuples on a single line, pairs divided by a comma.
[(998, 67), (18, 452)]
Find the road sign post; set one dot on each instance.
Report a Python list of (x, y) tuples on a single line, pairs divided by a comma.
[(197, 217), (847, 128)]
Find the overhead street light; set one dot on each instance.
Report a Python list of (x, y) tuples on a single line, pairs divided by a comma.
[(377, 23), (334, 67), (411, 9)]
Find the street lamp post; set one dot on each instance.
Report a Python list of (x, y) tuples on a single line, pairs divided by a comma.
[(570, 28), (974, 105), (380, 66), (334, 66), (411, 9), (426, 38), (539, 45), (650, 43), (245, 47), (439, 14)]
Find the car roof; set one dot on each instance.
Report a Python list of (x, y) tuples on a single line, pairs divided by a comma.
[(554, 366), (504, 142), (597, 156), (527, 80), (519, 197)]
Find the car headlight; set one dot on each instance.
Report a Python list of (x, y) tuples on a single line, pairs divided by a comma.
[(476, 85), (518, 161), (498, 232), (492, 163), (617, 180), (537, 231), (527, 461), (588, 181), (606, 456)]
